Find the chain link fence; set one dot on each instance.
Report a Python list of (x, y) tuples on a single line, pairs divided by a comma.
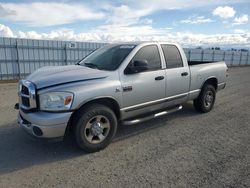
[(20, 57)]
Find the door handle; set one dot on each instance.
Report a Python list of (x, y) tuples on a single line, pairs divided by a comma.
[(127, 88), (159, 78), (184, 74)]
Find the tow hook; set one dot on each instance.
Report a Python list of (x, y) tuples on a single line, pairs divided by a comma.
[(16, 107)]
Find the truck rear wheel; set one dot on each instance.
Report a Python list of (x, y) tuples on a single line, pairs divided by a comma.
[(95, 127), (205, 102)]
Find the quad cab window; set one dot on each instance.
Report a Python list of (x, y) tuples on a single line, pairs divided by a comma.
[(172, 56), (149, 56)]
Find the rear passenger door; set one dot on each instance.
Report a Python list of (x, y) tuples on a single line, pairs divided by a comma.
[(177, 75)]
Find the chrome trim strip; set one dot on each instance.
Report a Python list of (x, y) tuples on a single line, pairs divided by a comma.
[(194, 91), (23, 95), (24, 107), (134, 107), (167, 99)]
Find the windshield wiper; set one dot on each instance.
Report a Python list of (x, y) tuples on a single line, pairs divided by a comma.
[(79, 62), (91, 65)]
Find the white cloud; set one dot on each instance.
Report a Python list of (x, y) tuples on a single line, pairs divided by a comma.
[(241, 20), (29, 34), (4, 11), (177, 4), (196, 20), (125, 22), (42, 14), (64, 12), (147, 21), (224, 12), (132, 11), (124, 15), (5, 31), (241, 31), (138, 33)]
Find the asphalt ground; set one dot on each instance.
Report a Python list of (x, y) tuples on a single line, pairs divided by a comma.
[(184, 149)]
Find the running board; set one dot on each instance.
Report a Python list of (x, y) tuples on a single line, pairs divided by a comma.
[(152, 116)]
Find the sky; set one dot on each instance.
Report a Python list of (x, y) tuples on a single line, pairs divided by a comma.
[(191, 23)]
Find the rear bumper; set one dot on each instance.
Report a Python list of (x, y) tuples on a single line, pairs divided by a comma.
[(44, 124)]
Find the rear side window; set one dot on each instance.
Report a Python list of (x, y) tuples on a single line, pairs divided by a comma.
[(151, 54), (172, 56)]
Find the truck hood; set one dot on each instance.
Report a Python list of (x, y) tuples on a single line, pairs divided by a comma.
[(56, 75)]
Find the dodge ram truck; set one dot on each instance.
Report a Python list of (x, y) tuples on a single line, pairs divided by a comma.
[(125, 83)]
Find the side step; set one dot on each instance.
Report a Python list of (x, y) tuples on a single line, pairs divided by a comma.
[(151, 116)]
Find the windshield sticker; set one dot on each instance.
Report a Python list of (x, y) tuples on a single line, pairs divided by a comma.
[(127, 46)]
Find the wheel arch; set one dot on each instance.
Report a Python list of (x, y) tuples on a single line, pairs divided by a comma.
[(211, 81), (106, 101)]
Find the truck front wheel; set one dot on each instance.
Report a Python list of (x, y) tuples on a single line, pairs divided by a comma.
[(205, 102), (95, 126)]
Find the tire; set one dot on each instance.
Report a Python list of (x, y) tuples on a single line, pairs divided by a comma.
[(94, 127), (205, 101)]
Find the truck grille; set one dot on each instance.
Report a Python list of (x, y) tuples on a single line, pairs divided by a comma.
[(25, 90), (27, 95), (25, 101)]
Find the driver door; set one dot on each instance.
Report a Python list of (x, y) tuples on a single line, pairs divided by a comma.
[(141, 90)]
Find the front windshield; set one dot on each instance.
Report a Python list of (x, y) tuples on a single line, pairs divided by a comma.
[(108, 57)]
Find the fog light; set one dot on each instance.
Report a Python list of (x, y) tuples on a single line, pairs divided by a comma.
[(37, 131)]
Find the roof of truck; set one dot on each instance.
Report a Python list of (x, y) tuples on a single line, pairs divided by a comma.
[(144, 42)]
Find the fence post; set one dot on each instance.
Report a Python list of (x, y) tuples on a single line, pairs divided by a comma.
[(189, 54), (66, 58), (240, 58), (18, 61), (213, 55), (202, 55), (232, 60), (224, 56), (247, 58)]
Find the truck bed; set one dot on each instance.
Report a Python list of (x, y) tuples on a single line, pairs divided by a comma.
[(190, 63), (201, 71)]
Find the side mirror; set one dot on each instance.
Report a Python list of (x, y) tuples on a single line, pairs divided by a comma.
[(137, 66)]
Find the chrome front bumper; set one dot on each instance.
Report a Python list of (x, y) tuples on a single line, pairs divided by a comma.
[(44, 124)]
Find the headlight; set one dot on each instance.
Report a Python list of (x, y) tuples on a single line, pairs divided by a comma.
[(56, 101)]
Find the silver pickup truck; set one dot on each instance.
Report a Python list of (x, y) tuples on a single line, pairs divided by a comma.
[(123, 83)]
